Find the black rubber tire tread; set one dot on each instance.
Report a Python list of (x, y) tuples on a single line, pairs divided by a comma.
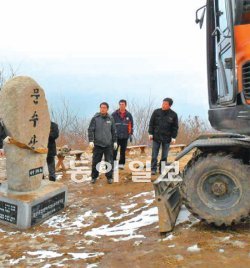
[(191, 174)]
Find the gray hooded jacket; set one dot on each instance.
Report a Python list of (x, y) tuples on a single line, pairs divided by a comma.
[(102, 130)]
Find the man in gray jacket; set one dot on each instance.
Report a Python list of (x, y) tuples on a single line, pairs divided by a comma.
[(103, 139)]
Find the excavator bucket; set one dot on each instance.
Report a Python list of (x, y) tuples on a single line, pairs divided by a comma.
[(168, 200)]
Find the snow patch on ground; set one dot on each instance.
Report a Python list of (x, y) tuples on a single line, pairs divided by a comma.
[(225, 239), (85, 255), (143, 194), (169, 237), (13, 262), (127, 208), (92, 265), (193, 248), (65, 223), (128, 227), (183, 215), (42, 254), (127, 238)]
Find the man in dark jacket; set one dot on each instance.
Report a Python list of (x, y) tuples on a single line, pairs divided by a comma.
[(163, 129), (103, 139), (124, 126), (2, 137), (53, 135)]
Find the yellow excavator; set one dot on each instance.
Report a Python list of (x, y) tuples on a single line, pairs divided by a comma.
[(215, 183)]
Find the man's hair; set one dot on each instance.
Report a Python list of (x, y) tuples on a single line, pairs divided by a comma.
[(124, 101), (104, 103), (169, 100)]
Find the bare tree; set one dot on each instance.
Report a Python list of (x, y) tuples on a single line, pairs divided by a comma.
[(141, 113), (7, 73), (72, 128), (191, 128), (79, 130)]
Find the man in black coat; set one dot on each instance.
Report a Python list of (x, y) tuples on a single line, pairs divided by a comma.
[(163, 129), (53, 135), (124, 127), (2, 137)]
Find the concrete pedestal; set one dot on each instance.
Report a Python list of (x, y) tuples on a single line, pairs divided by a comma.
[(25, 209)]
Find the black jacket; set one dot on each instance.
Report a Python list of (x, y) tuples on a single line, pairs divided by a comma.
[(102, 130), (53, 135), (163, 125), (2, 134), (122, 125)]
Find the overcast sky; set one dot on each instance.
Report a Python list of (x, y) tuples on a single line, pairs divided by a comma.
[(93, 51)]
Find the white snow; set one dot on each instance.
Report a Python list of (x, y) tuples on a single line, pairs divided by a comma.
[(85, 255), (79, 222), (63, 222), (42, 254), (179, 257), (13, 262), (169, 237), (142, 194), (92, 265), (128, 227), (127, 208), (108, 214), (56, 221), (137, 243), (149, 201), (126, 238), (183, 215), (226, 238), (59, 177), (194, 248), (46, 266)]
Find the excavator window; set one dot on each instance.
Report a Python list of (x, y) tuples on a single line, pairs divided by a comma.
[(224, 53), (222, 15)]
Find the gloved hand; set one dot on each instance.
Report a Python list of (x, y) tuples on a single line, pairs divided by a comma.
[(115, 146), (173, 140), (7, 139), (150, 137), (91, 145), (1, 153)]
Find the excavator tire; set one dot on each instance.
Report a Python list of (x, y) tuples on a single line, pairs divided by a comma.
[(216, 189)]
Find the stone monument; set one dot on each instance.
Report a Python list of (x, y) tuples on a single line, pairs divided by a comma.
[(26, 199)]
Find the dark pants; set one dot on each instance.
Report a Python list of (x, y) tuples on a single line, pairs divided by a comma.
[(155, 152), (122, 144), (51, 168), (98, 153)]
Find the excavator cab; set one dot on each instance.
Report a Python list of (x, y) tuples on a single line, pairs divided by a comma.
[(228, 65), (215, 184)]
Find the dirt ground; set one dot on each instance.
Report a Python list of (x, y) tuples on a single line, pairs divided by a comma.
[(116, 226)]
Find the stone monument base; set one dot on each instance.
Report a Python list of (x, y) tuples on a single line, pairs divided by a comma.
[(25, 209)]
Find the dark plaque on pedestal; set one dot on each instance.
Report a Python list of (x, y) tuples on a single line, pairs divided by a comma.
[(8, 212), (47, 208)]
